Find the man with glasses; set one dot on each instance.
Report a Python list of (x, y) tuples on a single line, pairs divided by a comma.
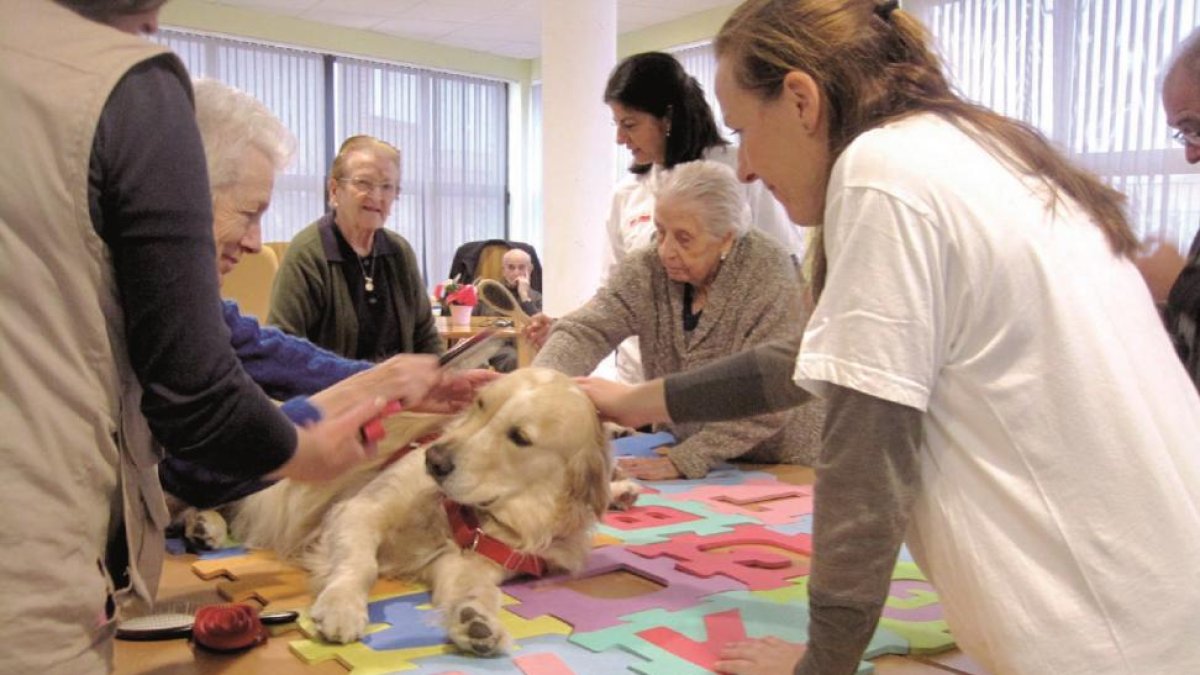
[(1181, 101)]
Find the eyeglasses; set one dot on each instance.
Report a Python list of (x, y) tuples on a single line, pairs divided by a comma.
[(1187, 137), (366, 187)]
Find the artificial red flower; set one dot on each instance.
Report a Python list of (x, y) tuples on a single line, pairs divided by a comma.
[(453, 292)]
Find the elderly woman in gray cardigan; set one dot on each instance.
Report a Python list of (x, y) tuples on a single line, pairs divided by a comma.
[(707, 288)]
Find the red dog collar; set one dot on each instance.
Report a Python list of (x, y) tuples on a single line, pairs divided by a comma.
[(400, 453), (467, 535)]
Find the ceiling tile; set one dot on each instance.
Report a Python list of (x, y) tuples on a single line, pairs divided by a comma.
[(284, 7), (419, 29), (505, 27), (344, 19)]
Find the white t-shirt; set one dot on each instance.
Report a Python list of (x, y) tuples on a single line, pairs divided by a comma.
[(631, 226), (1059, 508)]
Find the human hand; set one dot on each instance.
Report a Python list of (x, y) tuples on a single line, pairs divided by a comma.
[(454, 390), (629, 405), (1160, 264), (538, 329), (765, 656), (407, 378), (523, 288), (649, 468), (327, 449)]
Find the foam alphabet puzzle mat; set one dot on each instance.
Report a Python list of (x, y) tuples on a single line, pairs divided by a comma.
[(694, 565)]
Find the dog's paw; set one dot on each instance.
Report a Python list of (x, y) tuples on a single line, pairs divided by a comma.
[(477, 632), (613, 431), (623, 494), (204, 530), (339, 620)]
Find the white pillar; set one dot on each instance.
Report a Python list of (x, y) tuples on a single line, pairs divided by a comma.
[(579, 49)]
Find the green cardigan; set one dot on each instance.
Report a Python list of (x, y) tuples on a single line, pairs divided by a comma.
[(310, 298)]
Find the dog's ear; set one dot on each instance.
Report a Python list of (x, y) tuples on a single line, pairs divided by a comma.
[(590, 470)]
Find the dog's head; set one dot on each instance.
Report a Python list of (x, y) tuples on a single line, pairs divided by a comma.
[(531, 448)]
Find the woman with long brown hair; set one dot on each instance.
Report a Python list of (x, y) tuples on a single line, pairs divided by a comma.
[(1000, 389)]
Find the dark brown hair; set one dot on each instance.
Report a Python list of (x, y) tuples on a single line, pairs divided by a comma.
[(656, 83)]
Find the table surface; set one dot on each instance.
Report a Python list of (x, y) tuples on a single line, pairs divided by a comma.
[(182, 589), (452, 332)]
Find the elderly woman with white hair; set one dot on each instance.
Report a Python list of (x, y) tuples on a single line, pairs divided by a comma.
[(708, 287), (245, 146)]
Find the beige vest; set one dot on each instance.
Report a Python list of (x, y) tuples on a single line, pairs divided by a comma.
[(76, 452)]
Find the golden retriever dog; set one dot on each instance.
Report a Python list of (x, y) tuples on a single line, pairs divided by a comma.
[(515, 484)]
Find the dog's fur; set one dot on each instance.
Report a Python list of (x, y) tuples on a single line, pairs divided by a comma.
[(529, 455)]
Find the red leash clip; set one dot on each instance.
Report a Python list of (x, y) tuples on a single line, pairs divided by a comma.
[(373, 431)]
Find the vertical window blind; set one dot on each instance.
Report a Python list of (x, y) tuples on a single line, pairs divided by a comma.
[(291, 84), (452, 134), (451, 131), (1087, 73)]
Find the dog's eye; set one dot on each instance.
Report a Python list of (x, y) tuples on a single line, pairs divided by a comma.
[(518, 437)]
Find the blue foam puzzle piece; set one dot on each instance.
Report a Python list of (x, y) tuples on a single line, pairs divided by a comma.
[(802, 525), (723, 474), (407, 626), (224, 553)]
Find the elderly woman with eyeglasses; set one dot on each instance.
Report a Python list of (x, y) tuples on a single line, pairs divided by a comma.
[(348, 284), (708, 286), (245, 145)]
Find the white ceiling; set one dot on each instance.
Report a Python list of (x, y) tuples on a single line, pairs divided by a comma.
[(503, 27)]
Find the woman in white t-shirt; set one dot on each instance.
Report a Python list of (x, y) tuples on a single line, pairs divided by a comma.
[(663, 119), (1000, 389)]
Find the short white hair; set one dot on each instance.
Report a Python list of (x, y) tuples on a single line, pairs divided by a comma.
[(230, 121), (712, 190)]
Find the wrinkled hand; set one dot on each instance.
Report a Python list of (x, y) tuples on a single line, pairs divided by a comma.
[(327, 449), (523, 288), (629, 405), (766, 656), (538, 329), (649, 468), (407, 378), (454, 390)]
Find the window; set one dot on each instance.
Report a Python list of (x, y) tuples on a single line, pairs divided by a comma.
[(1086, 73), (451, 131), (291, 84)]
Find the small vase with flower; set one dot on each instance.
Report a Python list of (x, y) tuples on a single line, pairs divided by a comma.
[(457, 299)]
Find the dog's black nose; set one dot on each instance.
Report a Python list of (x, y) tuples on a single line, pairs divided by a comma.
[(438, 462)]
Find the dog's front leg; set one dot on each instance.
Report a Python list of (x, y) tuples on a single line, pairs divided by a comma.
[(348, 568), (466, 590)]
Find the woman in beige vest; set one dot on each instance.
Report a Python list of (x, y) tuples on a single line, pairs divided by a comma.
[(111, 328)]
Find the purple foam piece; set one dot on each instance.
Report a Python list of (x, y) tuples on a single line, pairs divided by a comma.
[(587, 613), (908, 588)]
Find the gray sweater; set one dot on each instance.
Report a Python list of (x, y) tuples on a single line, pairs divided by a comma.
[(755, 298)]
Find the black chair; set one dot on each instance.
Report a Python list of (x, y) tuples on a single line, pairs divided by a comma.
[(481, 260)]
